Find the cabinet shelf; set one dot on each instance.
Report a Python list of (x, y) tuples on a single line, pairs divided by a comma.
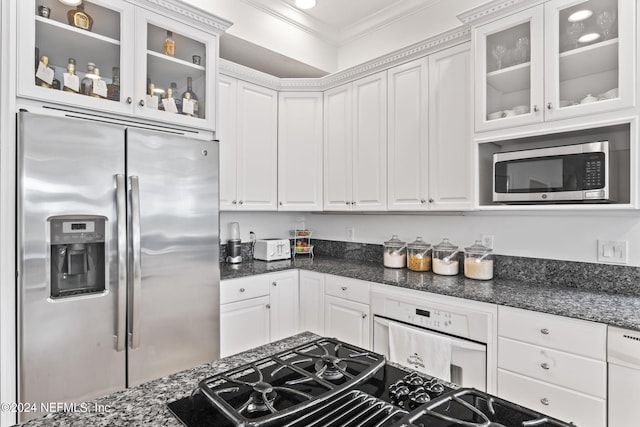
[(171, 61), (60, 41), (511, 79), (164, 69), (589, 60)]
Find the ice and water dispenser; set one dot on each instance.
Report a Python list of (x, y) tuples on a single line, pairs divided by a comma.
[(77, 245)]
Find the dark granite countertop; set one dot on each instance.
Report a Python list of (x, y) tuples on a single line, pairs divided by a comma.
[(145, 405), (616, 309)]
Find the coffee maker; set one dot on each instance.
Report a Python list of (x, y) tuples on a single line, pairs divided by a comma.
[(234, 244)]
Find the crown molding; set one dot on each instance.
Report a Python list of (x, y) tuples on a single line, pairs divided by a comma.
[(187, 13), (494, 10), (444, 40)]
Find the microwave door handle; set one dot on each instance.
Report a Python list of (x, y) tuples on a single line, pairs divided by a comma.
[(135, 261), (121, 218)]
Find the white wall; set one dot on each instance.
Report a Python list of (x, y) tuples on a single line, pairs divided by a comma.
[(263, 224), (439, 17), (565, 236), (265, 30)]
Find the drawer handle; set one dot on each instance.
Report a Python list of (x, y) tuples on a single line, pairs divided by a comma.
[(544, 366), (344, 288), (274, 284), (268, 306), (364, 316), (544, 401), (544, 331), (242, 289)]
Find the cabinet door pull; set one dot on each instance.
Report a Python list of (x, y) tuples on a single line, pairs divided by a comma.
[(347, 203), (241, 202), (431, 200), (544, 331), (274, 283), (235, 202), (129, 100), (423, 201), (242, 289), (344, 288), (536, 108), (353, 202), (364, 316), (544, 366), (141, 103), (544, 401), (268, 306), (549, 106)]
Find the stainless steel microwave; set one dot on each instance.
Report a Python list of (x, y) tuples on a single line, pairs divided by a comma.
[(568, 173)]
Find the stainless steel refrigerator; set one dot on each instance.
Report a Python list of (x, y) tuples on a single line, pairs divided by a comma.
[(118, 240)]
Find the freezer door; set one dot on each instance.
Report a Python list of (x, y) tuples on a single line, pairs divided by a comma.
[(173, 238), (67, 346)]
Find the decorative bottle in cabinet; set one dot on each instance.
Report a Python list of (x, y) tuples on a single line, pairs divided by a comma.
[(98, 86), (79, 18), (87, 81), (44, 74), (71, 80), (190, 100), (113, 88), (169, 44)]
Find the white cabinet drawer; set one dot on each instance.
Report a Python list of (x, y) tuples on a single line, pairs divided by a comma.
[(567, 370), (350, 289), (558, 402), (242, 289), (560, 333)]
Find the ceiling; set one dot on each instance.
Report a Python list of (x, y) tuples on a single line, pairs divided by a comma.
[(335, 21)]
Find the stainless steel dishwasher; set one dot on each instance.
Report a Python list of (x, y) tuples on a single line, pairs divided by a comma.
[(623, 356)]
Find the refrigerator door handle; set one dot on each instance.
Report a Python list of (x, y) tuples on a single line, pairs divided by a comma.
[(135, 254), (121, 215)]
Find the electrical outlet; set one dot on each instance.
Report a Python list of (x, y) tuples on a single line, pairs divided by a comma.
[(351, 234), (613, 251), (487, 240)]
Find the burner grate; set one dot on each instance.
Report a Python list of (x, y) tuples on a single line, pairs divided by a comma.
[(273, 389)]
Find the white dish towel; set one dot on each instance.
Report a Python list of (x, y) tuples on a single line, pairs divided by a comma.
[(420, 350)]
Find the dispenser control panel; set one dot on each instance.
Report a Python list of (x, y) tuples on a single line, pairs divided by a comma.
[(77, 230)]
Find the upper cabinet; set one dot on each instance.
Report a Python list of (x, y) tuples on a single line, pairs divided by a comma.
[(429, 147), (114, 56), (300, 151), (355, 145), (562, 59), (248, 134)]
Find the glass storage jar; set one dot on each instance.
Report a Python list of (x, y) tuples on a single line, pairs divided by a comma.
[(419, 255), (445, 260), (395, 253), (478, 262)]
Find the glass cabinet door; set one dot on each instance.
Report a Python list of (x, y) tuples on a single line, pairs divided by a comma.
[(172, 61), (77, 54), (589, 56), (509, 63)]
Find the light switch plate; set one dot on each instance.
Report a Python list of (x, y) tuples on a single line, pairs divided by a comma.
[(613, 251)]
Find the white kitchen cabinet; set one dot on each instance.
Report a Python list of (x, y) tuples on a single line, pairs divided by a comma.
[(429, 150), (244, 325), (256, 310), (355, 145), (346, 310), (553, 364), (285, 304), (450, 135), (312, 302), (126, 40), (537, 65), (300, 151), (248, 134)]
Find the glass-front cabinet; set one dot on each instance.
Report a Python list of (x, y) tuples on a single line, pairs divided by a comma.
[(562, 59), (113, 56)]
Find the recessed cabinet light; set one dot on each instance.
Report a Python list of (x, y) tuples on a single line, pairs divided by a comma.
[(71, 2), (305, 4), (588, 38), (580, 15)]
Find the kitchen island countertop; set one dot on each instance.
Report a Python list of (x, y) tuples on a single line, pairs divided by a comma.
[(616, 309), (146, 404)]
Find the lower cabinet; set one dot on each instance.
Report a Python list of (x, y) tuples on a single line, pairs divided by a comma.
[(554, 365), (257, 310), (312, 302), (346, 310)]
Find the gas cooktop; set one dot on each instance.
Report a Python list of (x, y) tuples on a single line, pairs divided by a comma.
[(331, 383)]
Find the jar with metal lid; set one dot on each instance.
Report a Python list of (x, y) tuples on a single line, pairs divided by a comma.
[(445, 260), (395, 253), (478, 262), (419, 255)]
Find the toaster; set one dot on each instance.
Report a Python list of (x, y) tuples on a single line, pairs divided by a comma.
[(272, 249)]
